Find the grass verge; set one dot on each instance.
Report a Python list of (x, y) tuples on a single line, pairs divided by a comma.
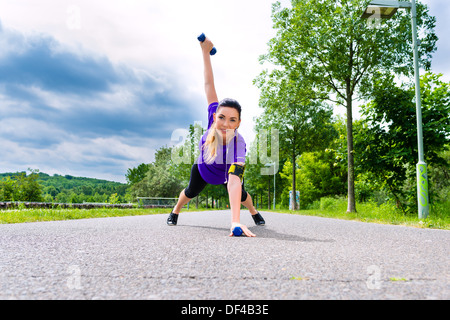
[(439, 217), (35, 215)]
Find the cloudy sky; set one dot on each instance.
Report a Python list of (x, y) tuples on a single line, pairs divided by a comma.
[(92, 88)]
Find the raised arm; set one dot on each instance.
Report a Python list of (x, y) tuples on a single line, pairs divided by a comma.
[(210, 90)]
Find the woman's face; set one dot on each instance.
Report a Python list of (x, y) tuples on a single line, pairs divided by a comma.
[(227, 120)]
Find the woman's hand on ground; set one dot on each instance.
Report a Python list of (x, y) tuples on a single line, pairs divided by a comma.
[(244, 228)]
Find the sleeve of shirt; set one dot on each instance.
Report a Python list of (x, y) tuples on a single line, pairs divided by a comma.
[(211, 110), (241, 149)]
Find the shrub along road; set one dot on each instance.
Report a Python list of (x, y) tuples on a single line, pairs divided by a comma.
[(292, 257)]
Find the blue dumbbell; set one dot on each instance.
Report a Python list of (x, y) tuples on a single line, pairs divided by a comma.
[(237, 231), (202, 38)]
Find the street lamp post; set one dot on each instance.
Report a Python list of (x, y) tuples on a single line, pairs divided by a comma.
[(384, 9), (274, 186)]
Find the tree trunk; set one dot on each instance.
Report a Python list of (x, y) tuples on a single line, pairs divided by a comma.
[(351, 206), (261, 199), (294, 198)]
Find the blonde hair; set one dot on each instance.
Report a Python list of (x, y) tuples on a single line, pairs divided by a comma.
[(211, 144)]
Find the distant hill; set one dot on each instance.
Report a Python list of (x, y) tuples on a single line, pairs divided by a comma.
[(70, 189)]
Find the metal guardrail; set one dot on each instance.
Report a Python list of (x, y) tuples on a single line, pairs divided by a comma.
[(53, 205), (156, 202), (160, 203)]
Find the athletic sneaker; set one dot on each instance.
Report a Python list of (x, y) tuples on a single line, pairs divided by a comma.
[(259, 220), (172, 219)]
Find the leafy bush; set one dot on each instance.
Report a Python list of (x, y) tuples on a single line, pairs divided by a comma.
[(333, 204), (21, 187)]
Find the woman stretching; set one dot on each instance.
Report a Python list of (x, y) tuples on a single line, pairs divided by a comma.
[(222, 154)]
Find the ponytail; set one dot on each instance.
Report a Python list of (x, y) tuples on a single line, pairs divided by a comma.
[(211, 144)]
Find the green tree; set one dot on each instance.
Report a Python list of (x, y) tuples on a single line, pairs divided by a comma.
[(184, 155), (74, 198), (439, 178), (22, 187), (320, 174), (158, 181), (335, 54), (62, 197), (134, 175), (258, 177), (387, 142), (8, 190), (304, 124), (113, 199)]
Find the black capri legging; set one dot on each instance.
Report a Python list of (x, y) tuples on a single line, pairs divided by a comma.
[(197, 184)]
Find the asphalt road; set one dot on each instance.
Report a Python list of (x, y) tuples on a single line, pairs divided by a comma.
[(292, 257)]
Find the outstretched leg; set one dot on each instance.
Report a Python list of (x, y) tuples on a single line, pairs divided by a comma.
[(196, 185), (257, 217), (248, 203), (182, 201)]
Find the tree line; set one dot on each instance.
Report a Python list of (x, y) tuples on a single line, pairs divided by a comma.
[(35, 186)]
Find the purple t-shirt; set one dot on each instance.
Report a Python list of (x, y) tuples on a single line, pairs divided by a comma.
[(234, 151)]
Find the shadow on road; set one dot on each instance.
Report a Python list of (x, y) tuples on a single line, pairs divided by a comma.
[(266, 233)]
